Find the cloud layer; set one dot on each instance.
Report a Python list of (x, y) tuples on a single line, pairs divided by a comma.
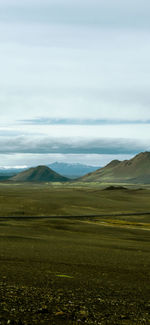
[(74, 77), (70, 146), (81, 121)]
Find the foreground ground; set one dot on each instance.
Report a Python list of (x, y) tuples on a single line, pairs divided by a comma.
[(75, 271)]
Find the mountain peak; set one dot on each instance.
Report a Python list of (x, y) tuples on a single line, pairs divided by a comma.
[(143, 155), (39, 174), (72, 170), (135, 170), (113, 163)]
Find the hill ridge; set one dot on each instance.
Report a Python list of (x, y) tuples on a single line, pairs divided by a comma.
[(40, 173), (136, 170)]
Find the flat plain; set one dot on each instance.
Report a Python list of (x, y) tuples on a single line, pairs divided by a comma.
[(56, 199), (90, 266)]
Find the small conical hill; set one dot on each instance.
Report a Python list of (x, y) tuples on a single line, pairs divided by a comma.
[(38, 174)]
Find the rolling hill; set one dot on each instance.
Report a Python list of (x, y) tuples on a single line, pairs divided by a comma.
[(135, 170), (38, 174)]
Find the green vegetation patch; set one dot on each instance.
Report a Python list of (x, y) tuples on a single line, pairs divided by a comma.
[(64, 276)]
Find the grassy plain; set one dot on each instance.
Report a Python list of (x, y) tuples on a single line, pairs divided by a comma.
[(69, 200), (91, 270)]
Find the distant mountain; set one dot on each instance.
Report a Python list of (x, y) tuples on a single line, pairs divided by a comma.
[(6, 173), (67, 170), (136, 170), (38, 174), (72, 170)]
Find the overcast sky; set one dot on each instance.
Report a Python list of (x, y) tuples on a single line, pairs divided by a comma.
[(74, 80)]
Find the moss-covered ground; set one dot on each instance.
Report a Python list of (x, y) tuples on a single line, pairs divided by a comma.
[(74, 270)]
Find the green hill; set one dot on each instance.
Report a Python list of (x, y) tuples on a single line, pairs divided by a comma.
[(136, 170), (38, 174)]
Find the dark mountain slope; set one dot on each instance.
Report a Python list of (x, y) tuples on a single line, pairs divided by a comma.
[(136, 170), (38, 174)]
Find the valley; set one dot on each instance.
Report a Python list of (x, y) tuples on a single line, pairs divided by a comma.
[(74, 251)]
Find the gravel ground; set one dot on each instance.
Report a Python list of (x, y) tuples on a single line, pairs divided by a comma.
[(30, 305)]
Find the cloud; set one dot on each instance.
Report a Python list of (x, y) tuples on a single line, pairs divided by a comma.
[(47, 145), (114, 13), (57, 71), (78, 69), (23, 160), (81, 121)]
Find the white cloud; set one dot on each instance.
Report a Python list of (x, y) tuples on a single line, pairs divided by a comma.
[(111, 79), (27, 160), (93, 66)]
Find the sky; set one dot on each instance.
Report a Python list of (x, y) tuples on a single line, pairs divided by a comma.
[(74, 81)]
